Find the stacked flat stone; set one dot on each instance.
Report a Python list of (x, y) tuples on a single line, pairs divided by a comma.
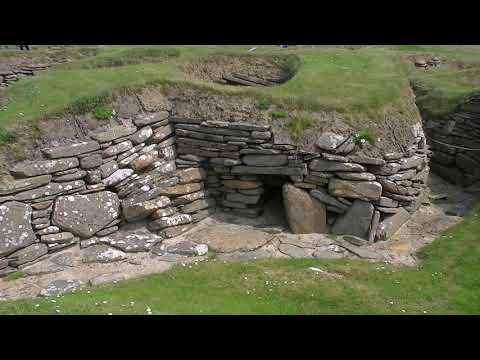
[(172, 172), (9, 76), (449, 135)]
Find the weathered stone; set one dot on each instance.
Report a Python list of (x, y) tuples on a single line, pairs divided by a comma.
[(356, 176), (50, 190), (295, 251), (324, 197), (160, 213), (403, 175), (181, 189), (91, 162), (77, 175), (38, 221), (134, 210), (386, 202), (267, 170), (265, 160), (233, 204), (169, 221), (387, 210), (15, 227), (175, 231), (374, 226), (144, 161), (346, 148), (117, 177), (48, 230), (162, 133), (390, 225), (199, 135), (262, 135), (198, 205), (24, 184), (43, 167), (203, 214), (126, 161), (41, 205), (115, 132), (57, 238), (207, 145), (60, 287), (27, 254), (356, 221), (243, 126), (188, 248), (338, 158), (132, 242), (241, 184), (6, 198), (366, 160), (250, 151), (325, 165), (355, 240), (363, 190), (108, 169), (411, 162), (102, 254), (93, 177), (85, 215), (117, 149), (71, 150), (387, 169), (103, 279), (190, 175), (304, 213), (224, 162), (391, 187), (229, 238), (393, 156), (246, 199), (149, 119), (142, 135), (329, 141)]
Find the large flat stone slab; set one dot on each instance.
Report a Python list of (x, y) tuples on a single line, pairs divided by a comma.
[(304, 213), (71, 150), (363, 190), (51, 189), (44, 167), (113, 133), (356, 221), (15, 227), (230, 238), (390, 225), (24, 184), (85, 215)]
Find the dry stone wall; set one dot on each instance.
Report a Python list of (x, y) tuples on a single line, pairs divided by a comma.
[(451, 139), (173, 172)]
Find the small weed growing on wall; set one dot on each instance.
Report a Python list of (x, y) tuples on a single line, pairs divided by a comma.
[(298, 125), (103, 113), (279, 114), (7, 136), (18, 152), (365, 135), (264, 104), (87, 104)]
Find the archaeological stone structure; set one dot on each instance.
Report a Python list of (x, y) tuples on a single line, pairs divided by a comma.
[(455, 142), (172, 172)]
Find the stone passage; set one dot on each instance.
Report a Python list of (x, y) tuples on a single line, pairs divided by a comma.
[(450, 138), (173, 172)]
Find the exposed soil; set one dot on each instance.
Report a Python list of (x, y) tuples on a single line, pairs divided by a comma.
[(224, 69)]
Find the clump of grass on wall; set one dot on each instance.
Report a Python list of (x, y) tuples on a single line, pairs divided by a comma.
[(366, 135), (298, 125), (7, 136), (103, 113), (264, 104), (87, 104)]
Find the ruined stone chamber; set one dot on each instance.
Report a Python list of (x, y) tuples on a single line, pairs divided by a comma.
[(454, 139), (171, 172)]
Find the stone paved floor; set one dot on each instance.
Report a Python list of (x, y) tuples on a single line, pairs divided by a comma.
[(266, 236)]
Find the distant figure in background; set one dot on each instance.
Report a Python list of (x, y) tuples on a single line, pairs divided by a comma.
[(27, 47), (284, 46)]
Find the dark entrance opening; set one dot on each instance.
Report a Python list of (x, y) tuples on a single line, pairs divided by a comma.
[(273, 206)]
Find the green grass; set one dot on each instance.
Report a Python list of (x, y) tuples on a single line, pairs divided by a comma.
[(264, 104), (298, 125), (14, 276), (365, 134), (7, 136), (103, 113), (279, 114), (447, 282), (325, 79)]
